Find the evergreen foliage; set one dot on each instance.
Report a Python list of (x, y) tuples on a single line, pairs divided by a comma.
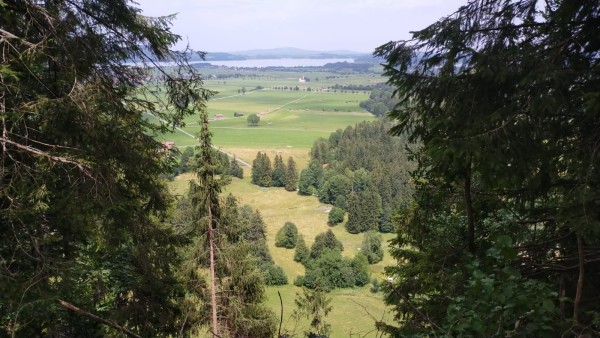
[(330, 270), (325, 241), (311, 179), (278, 178), (336, 216), (291, 175), (236, 169), (82, 207), (381, 100), (314, 305), (362, 170), (302, 253), (185, 159), (261, 170), (371, 247), (287, 236), (502, 98)]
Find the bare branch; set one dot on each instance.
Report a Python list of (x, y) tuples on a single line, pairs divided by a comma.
[(97, 319)]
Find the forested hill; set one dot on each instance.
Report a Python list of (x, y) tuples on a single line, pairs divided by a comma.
[(362, 170)]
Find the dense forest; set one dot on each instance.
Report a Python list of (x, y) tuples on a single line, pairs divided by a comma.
[(381, 100), (362, 170), (502, 236)]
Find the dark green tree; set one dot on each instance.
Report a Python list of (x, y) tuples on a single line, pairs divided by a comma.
[(302, 254), (291, 175), (279, 172), (261, 170), (336, 216), (331, 270), (236, 169), (311, 179), (325, 241), (335, 187), (253, 120), (354, 224), (287, 236), (82, 207), (500, 96), (371, 247)]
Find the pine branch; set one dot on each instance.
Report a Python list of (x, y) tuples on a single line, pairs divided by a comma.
[(97, 319)]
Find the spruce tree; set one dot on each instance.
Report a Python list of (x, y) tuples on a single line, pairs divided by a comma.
[(204, 193), (302, 254), (236, 169), (82, 205), (291, 175), (267, 172), (279, 172), (500, 99), (323, 242)]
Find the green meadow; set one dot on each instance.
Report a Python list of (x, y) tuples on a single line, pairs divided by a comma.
[(292, 120)]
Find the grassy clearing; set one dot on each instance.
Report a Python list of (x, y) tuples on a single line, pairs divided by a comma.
[(354, 311), (293, 121)]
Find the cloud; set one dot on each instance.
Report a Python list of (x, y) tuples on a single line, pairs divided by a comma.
[(323, 24)]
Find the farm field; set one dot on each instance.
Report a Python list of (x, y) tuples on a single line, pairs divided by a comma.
[(292, 121)]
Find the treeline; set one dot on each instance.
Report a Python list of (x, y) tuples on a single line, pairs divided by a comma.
[(380, 101), (361, 170), (355, 87), (185, 163), (278, 174)]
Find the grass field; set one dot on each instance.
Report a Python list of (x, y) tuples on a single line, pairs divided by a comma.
[(293, 120), (278, 206)]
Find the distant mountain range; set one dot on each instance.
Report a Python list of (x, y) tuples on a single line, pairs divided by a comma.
[(279, 53)]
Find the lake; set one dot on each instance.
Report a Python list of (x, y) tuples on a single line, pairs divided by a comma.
[(259, 63), (262, 63)]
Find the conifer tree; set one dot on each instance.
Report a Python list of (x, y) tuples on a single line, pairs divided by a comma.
[(236, 169), (501, 98), (204, 193), (82, 207), (302, 254), (279, 172), (291, 175), (261, 170)]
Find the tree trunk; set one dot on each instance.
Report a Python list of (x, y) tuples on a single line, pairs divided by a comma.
[(562, 293), (469, 210), (579, 291), (213, 284)]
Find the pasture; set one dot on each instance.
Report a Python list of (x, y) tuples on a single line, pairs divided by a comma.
[(292, 120)]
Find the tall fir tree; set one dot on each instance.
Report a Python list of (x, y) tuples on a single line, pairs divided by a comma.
[(82, 207), (236, 169), (291, 175), (279, 172), (501, 99)]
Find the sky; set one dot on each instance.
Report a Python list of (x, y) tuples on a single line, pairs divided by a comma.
[(321, 25)]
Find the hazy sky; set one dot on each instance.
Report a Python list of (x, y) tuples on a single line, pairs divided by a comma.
[(235, 25)]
